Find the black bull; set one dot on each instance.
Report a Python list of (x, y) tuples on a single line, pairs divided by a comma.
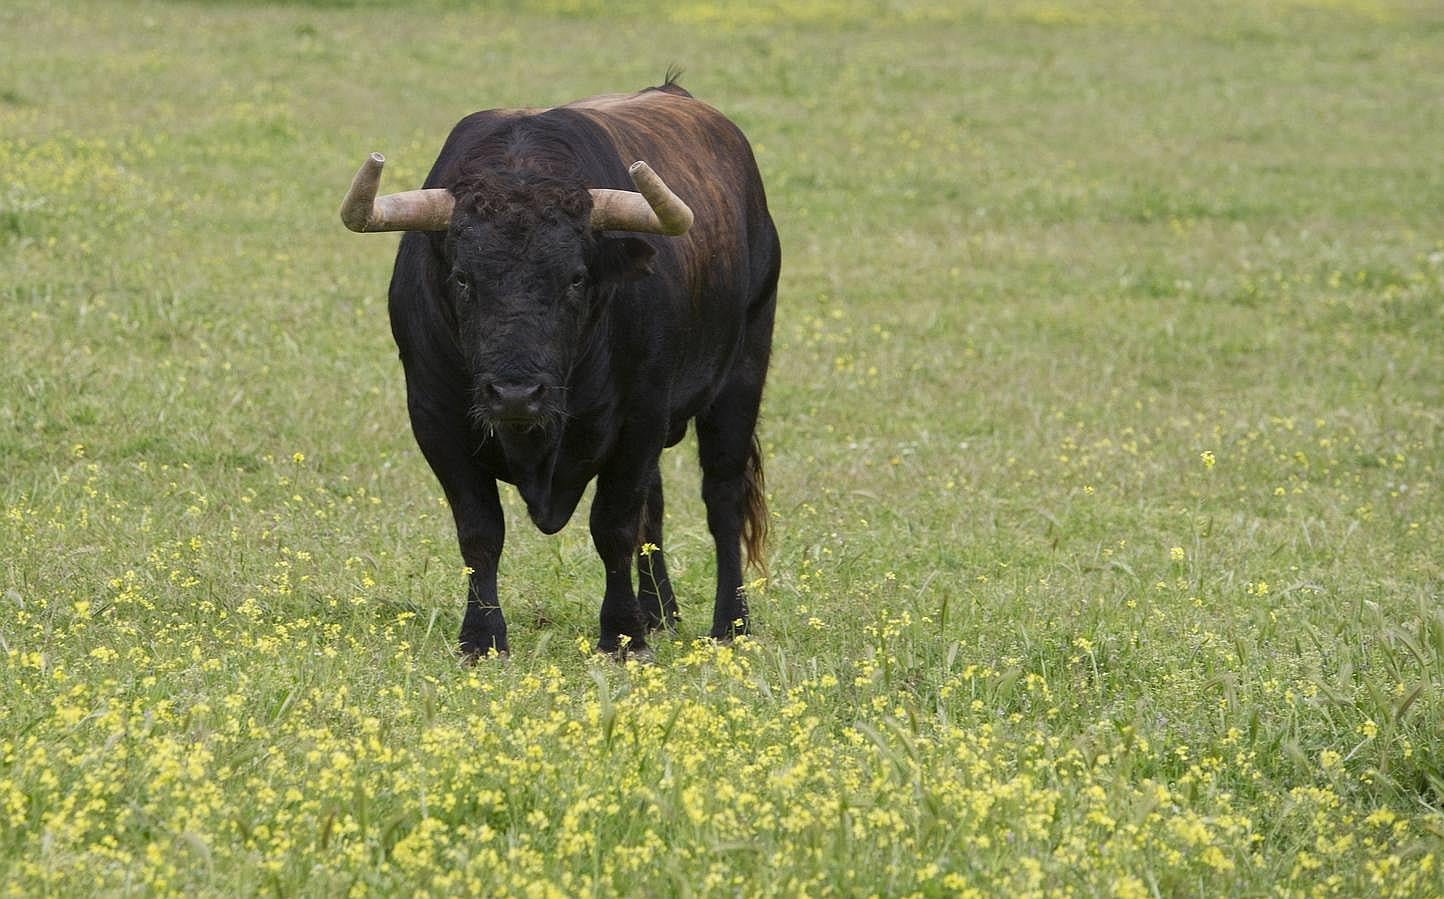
[(543, 353)]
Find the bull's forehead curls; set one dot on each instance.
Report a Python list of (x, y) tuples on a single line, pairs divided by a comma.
[(516, 249), (519, 235), (521, 201)]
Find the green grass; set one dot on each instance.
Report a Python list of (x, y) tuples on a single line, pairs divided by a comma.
[(1103, 440)]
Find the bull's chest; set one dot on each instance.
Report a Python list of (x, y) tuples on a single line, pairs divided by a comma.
[(551, 476)]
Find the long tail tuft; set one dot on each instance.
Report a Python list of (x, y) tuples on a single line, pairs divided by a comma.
[(755, 523)]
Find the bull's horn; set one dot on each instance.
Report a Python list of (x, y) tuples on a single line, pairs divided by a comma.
[(652, 208), (411, 210)]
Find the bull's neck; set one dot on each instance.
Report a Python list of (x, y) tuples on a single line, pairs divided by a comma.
[(532, 459), (530, 455)]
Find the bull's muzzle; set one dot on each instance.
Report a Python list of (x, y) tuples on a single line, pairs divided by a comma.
[(515, 402)]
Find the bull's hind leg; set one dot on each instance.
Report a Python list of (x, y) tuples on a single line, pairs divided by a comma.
[(728, 459), (654, 587), (732, 485)]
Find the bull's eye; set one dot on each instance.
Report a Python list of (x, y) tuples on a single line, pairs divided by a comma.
[(462, 282), (579, 280)]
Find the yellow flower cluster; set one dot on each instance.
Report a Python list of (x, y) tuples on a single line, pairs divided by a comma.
[(239, 750)]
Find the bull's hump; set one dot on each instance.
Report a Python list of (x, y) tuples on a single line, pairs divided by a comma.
[(675, 132), (650, 106), (604, 101)]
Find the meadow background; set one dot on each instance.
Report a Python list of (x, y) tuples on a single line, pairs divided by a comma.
[(1103, 440)]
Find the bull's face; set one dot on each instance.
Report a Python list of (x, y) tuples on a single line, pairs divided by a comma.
[(527, 269), (528, 279)]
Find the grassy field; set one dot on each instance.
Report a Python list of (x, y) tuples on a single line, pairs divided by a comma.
[(1103, 435)]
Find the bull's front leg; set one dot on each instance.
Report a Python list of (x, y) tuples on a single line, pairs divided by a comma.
[(481, 530), (616, 523), (480, 523)]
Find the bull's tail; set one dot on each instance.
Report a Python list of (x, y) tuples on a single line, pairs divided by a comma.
[(755, 521)]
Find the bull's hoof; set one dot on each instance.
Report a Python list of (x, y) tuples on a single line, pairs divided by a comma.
[(739, 628), (473, 655), (642, 655)]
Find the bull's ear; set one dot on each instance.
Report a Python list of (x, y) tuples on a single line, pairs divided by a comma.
[(623, 259)]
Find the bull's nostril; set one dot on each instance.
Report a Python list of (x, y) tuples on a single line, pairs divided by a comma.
[(517, 399), (512, 390)]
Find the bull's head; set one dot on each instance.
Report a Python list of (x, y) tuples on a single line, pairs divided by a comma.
[(528, 266)]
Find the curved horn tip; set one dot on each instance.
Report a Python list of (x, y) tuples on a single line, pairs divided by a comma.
[(426, 209), (356, 208), (672, 213)]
